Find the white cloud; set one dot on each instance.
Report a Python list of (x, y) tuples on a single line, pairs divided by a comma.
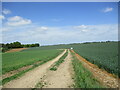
[(18, 21), (6, 11), (84, 30), (44, 28), (15, 18), (81, 26), (108, 9), (65, 34), (2, 17), (39, 29)]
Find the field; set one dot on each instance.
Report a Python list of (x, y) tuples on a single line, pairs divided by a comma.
[(66, 69), (15, 60), (104, 54)]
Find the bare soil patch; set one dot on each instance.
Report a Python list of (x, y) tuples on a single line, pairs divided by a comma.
[(16, 50), (103, 76)]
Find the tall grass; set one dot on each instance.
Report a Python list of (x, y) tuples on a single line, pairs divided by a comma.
[(83, 78)]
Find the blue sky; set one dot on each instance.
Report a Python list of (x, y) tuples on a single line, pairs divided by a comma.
[(62, 22)]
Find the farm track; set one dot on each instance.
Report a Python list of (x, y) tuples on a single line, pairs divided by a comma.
[(62, 77), (31, 78), (104, 77)]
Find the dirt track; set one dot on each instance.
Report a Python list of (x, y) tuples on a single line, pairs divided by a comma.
[(61, 78), (31, 78), (16, 50)]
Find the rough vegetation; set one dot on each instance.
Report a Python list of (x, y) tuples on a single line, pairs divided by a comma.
[(83, 78)]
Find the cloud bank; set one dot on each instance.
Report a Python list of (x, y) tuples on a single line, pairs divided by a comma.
[(59, 35)]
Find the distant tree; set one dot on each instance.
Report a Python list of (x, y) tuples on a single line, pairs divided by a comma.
[(107, 41), (37, 45), (16, 44), (5, 47)]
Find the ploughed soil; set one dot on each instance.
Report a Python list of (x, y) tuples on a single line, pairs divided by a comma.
[(31, 78), (16, 50), (103, 76)]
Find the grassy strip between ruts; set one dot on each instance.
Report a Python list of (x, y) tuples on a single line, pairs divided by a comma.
[(22, 72), (57, 63), (83, 78)]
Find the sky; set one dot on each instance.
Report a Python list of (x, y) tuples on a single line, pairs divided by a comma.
[(51, 23)]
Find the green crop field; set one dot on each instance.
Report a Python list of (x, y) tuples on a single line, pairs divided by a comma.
[(104, 55), (15, 60)]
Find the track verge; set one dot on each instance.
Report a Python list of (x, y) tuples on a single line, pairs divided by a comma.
[(103, 76)]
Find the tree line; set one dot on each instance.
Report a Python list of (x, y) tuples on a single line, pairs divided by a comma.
[(6, 47)]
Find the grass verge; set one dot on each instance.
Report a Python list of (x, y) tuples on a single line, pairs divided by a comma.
[(57, 63), (83, 78)]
